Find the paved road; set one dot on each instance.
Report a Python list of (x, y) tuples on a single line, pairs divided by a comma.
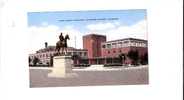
[(38, 78)]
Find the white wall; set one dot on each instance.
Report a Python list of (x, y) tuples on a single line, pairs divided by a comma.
[(165, 52)]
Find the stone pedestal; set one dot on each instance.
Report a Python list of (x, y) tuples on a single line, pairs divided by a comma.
[(62, 67)]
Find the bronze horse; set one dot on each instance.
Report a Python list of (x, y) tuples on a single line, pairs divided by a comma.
[(62, 44)]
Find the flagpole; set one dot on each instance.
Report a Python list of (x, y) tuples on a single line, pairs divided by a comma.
[(75, 42)]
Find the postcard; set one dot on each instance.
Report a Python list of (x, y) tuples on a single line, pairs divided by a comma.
[(88, 48)]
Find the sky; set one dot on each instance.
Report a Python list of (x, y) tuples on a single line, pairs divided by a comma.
[(115, 24)]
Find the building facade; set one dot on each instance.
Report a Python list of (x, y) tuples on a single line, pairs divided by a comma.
[(117, 47), (109, 52), (45, 55), (113, 49), (96, 50), (92, 43)]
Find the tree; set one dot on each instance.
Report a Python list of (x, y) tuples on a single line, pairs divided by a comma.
[(134, 56), (51, 60), (122, 57), (35, 61), (75, 58), (30, 60), (144, 59)]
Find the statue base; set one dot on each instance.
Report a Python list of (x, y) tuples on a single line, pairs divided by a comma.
[(62, 67)]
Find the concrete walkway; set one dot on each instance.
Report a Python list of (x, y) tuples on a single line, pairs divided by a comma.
[(114, 76)]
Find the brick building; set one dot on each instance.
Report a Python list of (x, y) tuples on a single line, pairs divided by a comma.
[(92, 43), (116, 47), (101, 51), (44, 55), (96, 50)]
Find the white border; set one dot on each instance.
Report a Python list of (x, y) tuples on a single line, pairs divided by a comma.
[(165, 51)]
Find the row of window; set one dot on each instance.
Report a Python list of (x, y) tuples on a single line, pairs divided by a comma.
[(114, 51), (47, 55), (120, 44)]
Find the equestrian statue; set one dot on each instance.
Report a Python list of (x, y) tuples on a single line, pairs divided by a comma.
[(62, 44)]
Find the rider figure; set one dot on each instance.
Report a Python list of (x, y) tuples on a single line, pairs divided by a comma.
[(61, 38)]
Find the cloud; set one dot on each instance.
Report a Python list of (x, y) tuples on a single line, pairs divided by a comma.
[(138, 30), (49, 33), (39, 35), (44, 23), (115, 31), (75, 36)]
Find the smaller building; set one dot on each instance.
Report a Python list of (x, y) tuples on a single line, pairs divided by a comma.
[(45, 55)]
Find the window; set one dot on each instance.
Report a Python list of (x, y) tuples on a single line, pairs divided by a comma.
[(85, 54), (125, 42), (80, 53), (137, 44), (108, 45), (143, 44), (108, 52), (74, 53), (103, 46), (69, 53), (133, 43), (119, 44), (120, 51), (113, 45)]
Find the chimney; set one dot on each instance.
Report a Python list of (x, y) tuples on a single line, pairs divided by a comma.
[(46, 44)]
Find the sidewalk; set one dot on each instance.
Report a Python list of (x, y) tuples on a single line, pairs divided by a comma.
[(125, 76)]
